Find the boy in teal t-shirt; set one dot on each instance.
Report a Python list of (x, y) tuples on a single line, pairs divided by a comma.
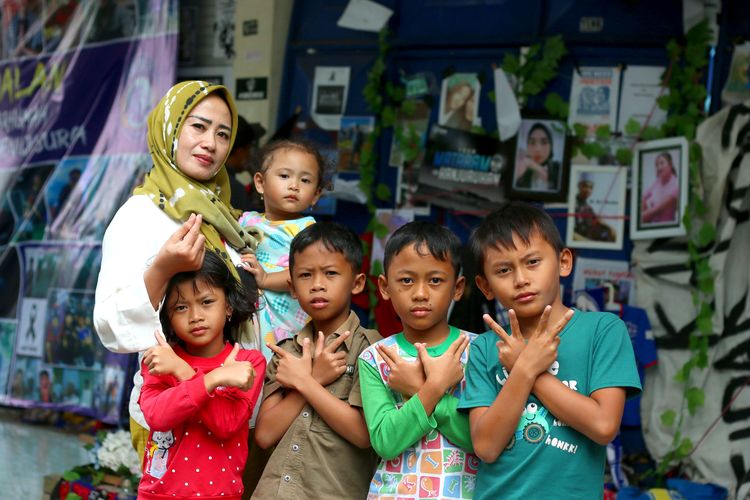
[(411, 382), (544, 401)]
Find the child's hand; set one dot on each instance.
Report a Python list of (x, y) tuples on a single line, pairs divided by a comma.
[(162, 360), (404, 376), (239, 374), (446, 370), (541, 350), (329, 365), (250, 262), (508, 347), (292, 371)]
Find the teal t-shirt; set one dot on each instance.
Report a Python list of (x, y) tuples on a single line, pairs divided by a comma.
[(546, 458)]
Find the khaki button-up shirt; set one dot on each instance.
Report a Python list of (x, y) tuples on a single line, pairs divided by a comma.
[(311, 460)]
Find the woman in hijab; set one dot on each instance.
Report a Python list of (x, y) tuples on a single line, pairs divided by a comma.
[(535, 167), (180, 211)]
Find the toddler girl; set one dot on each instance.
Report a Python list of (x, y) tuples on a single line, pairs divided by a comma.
[(289, 182)]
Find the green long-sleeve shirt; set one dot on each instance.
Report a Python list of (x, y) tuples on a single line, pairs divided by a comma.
[(401, 432)]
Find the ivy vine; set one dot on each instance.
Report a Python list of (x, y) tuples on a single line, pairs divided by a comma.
[(684, 105)]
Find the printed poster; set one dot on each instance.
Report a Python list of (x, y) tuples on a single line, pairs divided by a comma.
[(641, 87), (330, 90), (594, 96), (737, 88), (592, 273), (392, 219), (459, 161)]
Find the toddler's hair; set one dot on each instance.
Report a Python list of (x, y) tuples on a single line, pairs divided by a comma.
[(513, 218), (301, 145), (335, 237), (241, 295), (440, 241)]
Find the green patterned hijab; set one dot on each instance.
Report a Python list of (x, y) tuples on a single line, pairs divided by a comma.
[(179, 195)]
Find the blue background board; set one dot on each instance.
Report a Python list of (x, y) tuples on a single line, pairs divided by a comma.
[(621, 22), (439, 37)]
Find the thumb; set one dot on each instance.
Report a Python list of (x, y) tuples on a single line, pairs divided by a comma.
[(306, 348), (160, 339), (233, 355), (319, 344), (421, 352)]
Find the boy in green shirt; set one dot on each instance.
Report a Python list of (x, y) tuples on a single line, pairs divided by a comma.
[(411, 382), (544, 401)]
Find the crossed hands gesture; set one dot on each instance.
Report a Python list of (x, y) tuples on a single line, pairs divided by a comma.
[(325, 365), (162, 360), (541, 349), (233, 373), (408, 377)]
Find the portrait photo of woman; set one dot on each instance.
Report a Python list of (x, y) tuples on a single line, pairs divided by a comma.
[(458, 103), (660, 199), (659, 192), (540, 152)]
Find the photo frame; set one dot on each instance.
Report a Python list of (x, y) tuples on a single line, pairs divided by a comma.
[(596, 204), (660, 188), (540, 164)]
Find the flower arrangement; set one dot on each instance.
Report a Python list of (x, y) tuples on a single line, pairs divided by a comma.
[(115, 467)]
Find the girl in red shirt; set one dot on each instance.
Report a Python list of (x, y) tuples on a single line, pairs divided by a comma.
[(199, 388)]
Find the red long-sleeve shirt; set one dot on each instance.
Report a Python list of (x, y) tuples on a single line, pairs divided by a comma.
[(198, 441)]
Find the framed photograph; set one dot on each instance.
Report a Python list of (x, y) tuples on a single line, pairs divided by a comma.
[(660, 188), (539, 168), (596, 205)]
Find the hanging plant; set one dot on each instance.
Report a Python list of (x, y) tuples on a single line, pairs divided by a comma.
[(684, 105)]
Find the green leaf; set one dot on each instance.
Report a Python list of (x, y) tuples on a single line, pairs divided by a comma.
[(668, 418), (409, 107), (511, 64), (686, 446), (624, 156), (695, 399), (579, 130), (603, 132), (388, 116), (383, 192), (664, 101), (491, 96), (71, 476), (556, 106), (73, 496), (381, 230), (632, 127), (377, 268), (683, 374)]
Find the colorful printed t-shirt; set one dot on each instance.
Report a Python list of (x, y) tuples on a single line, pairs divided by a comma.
[(546, 458), (423, 456), (279, 315)]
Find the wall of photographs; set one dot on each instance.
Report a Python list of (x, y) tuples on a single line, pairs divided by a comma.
[(77, 79), (446, 54)]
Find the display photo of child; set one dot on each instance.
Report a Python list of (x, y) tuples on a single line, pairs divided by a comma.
[(597, 207)]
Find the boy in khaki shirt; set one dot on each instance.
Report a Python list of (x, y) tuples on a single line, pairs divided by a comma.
[(312, 404)]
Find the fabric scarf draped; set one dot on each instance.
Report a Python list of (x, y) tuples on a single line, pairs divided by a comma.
[(179, 195)]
